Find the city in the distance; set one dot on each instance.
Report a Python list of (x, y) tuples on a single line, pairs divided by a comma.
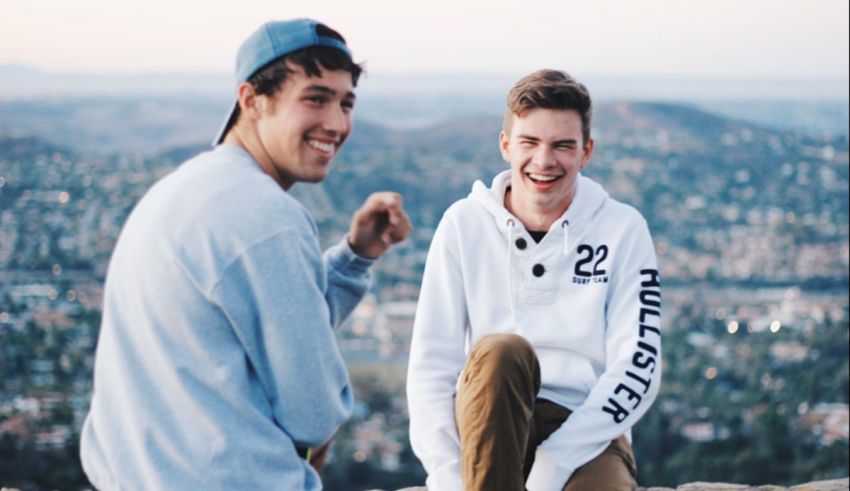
[(744, 186)]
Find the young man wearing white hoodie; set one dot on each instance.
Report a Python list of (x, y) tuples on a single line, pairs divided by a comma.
[(536, 345)]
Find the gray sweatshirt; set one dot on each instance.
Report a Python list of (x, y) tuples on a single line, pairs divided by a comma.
[(216, 356)]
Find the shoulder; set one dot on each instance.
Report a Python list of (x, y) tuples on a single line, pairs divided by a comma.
[(464, 210), (221, 203), (230, 191), (619, 211), (464, 218)]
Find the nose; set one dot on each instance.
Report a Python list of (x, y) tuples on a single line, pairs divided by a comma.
[(337, 121), (544, 156)]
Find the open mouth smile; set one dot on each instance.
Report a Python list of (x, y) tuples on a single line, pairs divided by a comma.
[(542, 178), (325, 147)]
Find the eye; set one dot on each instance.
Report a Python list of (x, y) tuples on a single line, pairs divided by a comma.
[(347, 105), (316, 100)]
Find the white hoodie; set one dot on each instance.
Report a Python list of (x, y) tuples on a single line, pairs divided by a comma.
[(593, 317)]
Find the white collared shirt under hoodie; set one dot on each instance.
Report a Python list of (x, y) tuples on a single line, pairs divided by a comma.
[(587, 297)]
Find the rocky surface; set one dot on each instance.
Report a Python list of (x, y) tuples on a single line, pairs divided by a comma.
[(833, 485)]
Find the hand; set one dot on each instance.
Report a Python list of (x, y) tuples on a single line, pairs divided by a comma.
[(378, 224)]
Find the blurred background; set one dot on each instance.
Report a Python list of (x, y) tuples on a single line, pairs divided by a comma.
[(725, 123)]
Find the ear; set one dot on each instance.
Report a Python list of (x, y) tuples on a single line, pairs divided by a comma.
[(588, 151), (504, 142), (249, 101)]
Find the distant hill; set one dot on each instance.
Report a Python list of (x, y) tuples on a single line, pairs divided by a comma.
[(146, 113), (642, 116), (13, 148), (726, 199)]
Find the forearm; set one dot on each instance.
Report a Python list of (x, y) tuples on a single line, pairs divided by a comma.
[(632, 376), (348, 280)]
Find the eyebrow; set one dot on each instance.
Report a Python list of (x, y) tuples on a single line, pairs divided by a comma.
[(568, 141), (556, 142), (324, 89)]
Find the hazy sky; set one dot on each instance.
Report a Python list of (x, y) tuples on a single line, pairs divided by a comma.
[(704, 38)]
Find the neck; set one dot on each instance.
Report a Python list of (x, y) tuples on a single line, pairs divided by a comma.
[(248, 140), (534, 217)]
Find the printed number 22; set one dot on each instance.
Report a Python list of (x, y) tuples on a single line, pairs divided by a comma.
[(587, 252)]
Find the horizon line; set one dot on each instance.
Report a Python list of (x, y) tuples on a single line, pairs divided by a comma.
[(38, 70)]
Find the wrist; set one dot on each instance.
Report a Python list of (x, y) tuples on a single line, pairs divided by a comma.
[(359, 252), (364, 252)]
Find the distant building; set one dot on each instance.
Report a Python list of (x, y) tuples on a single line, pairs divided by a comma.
[(829, 422)]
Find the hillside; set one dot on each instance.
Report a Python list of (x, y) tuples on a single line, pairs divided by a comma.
[(726, 200), (750, 225)]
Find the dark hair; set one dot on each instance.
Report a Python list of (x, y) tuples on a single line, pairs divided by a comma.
[(268, 79), (549, 89)]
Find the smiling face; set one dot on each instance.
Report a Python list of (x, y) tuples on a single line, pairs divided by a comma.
[(546, 151), (300, 128)]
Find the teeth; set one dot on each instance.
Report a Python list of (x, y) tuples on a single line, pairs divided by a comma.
[(541, 177), (321, 146)]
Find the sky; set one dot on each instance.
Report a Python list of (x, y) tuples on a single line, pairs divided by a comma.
[(794, 39)]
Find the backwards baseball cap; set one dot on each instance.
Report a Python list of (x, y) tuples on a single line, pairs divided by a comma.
[(270, 42)]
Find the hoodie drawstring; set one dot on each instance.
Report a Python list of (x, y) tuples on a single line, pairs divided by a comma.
[(511, 224), (566, 226)]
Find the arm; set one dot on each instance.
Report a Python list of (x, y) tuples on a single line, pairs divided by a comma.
[(348, 280), (436, 357), (628, 386), (273, 294), (375, 227)]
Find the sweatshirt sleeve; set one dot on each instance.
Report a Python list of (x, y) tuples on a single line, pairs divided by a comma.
[(436, 358), (630, 382), (348, 280), (274, 295)]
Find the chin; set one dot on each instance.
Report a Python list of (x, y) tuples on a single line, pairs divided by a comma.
[(316, 178)]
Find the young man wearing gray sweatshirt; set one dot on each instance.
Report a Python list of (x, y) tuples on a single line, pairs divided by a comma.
[(216, 365)]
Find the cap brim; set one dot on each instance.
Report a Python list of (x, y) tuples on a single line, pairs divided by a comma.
[(225, 127)]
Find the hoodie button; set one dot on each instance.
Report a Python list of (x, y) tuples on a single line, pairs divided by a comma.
[(538, 270), (521, 244)]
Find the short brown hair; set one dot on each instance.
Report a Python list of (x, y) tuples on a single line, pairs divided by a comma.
[(549, 89)]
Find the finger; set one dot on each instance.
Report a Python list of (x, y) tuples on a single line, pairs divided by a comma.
[(382, 200), (396, 208), (385, 202), (402, 229), (396, 215), (376, 204), (390, 200)]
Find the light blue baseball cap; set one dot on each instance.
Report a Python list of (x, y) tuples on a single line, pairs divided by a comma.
[(270, 42)]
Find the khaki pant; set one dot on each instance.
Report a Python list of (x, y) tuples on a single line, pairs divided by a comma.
[(501, 423)]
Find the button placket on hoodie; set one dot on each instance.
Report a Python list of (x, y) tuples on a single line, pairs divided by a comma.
[(541, 270)]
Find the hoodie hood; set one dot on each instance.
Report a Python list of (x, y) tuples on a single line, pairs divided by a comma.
[(589, 199)]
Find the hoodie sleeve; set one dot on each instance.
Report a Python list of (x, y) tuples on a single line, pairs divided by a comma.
[(632, 376), (436, 358)]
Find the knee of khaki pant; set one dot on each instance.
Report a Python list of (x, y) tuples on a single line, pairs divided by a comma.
[(495, 354)]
